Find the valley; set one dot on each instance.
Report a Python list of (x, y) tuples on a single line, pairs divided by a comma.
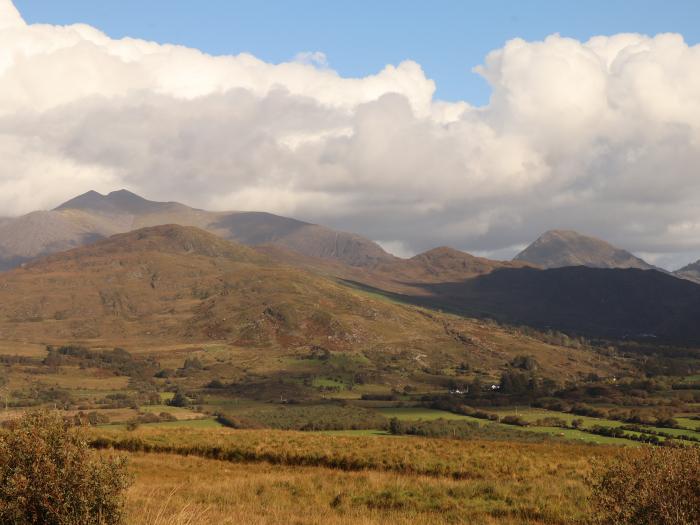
[(349, 263), (184, 349)]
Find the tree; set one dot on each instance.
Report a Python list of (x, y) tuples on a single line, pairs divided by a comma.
[(49, 476), (395, 426), (514, 382), (179, 399), (525, 362), (577, 423)]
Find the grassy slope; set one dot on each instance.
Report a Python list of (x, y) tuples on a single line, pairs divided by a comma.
[(172, 292)]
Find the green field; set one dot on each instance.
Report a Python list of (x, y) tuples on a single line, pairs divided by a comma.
[(427, 414), (578, 435), (687, 422), (533, 414), (326, 382)]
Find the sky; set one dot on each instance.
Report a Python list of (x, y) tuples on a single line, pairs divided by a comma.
[(447, 37), (477, 125)]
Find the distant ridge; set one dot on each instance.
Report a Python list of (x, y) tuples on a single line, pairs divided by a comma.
[(440, 265), (562, 248), (120, 201), (93, 216), (690, 272)]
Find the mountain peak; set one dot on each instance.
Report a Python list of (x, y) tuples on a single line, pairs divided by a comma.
[(560, 248), (116, 202), (123, 194), (86, 200), (444, 251)]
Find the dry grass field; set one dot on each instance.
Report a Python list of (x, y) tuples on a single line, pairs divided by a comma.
[(175, 490), (266, 477)]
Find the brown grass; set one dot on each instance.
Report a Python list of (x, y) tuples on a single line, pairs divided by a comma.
[(436, 457), (176, 490), (293, 477)]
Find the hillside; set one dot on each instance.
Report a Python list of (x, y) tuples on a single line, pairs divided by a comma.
[(42, 232), (172, 285), (442, 265), (560, 248), (404, 276), (93, 216), (690, 272), (611, 303)]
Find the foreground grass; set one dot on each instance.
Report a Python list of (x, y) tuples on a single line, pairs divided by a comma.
[(262, 476), (179, 491), (435, 457)]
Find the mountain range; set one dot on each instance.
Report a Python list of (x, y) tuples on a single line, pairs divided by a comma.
[(564, 280), (166, 286), (93, 216)]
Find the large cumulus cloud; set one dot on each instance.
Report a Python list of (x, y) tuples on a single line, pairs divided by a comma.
[(601, 136)]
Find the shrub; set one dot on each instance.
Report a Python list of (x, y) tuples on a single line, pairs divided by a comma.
[(192, 363), (514, 420), (216, 384), (649, 486), (525, 362), (97, 418), (179, 400), (49, 476), (167, 416)]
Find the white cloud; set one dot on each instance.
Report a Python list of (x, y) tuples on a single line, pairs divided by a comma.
[(397, 248), (9, 16), (601, 136), (312, 58)]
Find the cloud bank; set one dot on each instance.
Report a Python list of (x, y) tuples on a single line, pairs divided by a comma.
[(600, 136)]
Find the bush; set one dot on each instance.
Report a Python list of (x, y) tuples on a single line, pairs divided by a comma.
[(179, 400), (525, 362), (97, 418), (514, 420), (649, 486), (49, 476)]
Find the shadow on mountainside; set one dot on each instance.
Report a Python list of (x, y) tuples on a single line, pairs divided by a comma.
[(611, 303)]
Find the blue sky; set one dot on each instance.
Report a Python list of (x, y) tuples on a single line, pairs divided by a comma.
[(359, 37)]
